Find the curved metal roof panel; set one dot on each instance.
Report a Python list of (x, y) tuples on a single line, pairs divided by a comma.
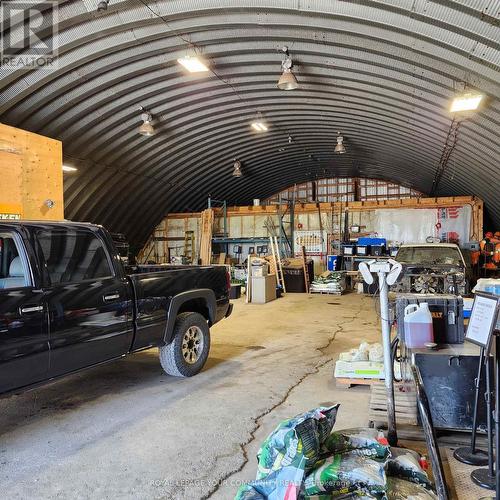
[(382, 72)]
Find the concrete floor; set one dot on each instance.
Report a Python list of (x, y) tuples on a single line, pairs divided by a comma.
[(125, 430)]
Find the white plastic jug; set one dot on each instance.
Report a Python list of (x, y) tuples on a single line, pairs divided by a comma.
[(418, 325)]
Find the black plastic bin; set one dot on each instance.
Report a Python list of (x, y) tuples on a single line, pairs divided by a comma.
[(294, 278), (235, 291)]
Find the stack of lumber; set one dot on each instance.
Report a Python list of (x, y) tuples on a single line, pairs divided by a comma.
[(207, 222)]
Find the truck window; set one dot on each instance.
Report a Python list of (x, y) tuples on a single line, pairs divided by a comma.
[(73, 255), (13, 273)]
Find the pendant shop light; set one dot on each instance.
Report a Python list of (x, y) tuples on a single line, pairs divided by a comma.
[(340, 148), (287, 79), (102, 5), (237, 169), (147, 128)]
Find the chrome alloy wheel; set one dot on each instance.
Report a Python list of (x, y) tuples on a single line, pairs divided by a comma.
[(192, 345)]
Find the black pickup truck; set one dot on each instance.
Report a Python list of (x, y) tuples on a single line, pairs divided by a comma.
[(66, 303)]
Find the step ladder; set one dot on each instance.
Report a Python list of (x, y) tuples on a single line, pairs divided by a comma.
[(304, 267), (278, 268), (189, 246)]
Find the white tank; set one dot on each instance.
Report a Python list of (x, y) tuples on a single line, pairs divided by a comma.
[(418, 325)]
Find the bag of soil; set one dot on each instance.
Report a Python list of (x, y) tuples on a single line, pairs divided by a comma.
[(302, 434), (355, 495), (356, 439), (400, 489), (405, 464), (345, 473), (291, 449)]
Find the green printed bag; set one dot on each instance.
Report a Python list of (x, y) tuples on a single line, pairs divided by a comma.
[(345, 473), (357, 439)]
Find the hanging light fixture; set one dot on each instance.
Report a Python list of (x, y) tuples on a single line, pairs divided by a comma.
[(287, 79), (67, 168), (193, 64), (340, 148), (468, 101), (237, 169), (259, 125), (102, 5), (146, 128)]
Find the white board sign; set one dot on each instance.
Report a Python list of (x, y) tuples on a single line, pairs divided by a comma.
[(483, 319)]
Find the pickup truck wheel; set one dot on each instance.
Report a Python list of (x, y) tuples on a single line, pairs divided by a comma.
[(186, 355)]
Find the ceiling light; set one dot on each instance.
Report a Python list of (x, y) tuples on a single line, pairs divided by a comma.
[(466, 102), (259, 123), (193, 64), (147, 128), (259, 127), (340, 148), (287, 80), (237, 169), (102, 5), (66, 168)]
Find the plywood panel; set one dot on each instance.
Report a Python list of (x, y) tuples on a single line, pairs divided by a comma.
[(260, 228), (40, 177), (11, 202)]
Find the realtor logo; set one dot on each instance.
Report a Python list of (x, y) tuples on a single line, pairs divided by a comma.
[(28, 34)]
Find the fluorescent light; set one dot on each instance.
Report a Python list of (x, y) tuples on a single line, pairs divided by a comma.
[(259, 126), (66, 168), (193, 64), (466, 102)]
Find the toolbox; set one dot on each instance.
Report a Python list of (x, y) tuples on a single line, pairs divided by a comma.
[(363, 249), (349, 249), (447, 315), (378, 250)]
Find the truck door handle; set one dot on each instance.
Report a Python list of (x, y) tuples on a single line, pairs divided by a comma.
[(111, 297), (31, 309)]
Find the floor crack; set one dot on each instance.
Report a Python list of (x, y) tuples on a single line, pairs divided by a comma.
[(257, 420)]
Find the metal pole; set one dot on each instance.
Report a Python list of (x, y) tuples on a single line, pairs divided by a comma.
[(488, 395), (392, 435), (292, 225), (476, 402), (497, 416)]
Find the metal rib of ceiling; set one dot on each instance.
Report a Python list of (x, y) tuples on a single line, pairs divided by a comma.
[(382, 72)]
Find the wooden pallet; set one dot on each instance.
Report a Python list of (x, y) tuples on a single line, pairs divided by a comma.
[(406, 403), (349, 382), (325, 292)]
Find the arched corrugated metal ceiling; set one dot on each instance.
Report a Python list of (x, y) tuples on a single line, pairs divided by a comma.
[(380, 71)]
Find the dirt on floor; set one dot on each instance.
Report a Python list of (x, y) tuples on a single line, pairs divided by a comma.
[(126, 430)]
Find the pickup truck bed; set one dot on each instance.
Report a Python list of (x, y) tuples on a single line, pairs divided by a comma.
[(67, 303)]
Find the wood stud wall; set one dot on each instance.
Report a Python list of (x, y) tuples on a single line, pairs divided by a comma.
[(249, 221)]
